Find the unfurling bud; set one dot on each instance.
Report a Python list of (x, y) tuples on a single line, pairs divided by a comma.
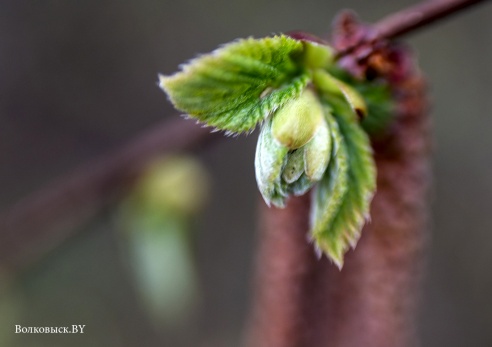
[(284, 169), (331, 85), (296, 122)]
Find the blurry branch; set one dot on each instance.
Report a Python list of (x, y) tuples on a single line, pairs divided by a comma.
[(410, 19), (43, 220), (46, 218), (418, 16), (286, 279)]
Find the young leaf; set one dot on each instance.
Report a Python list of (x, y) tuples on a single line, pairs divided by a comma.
[(239, 84), (378, 98), (380, 107), (330, 192), (316, 55), (343, 198), (329, 84)]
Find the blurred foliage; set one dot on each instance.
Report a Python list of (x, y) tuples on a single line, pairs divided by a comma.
[(156, 220), (11, 308)]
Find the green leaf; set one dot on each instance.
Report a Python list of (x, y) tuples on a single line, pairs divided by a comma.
[(317, 55), (379, 100), (380, 106), (240, 84), (330, 193), (345, 192), (331, 85)]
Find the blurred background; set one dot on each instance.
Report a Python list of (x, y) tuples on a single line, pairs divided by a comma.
[(78, 79)]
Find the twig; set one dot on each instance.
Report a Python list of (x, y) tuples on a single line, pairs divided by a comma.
[(43, 220), (415, 17), (412, 18)]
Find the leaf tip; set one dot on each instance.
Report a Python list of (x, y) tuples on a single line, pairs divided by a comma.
[(162, 81), (338, 263), (324, 247), (166, 85)]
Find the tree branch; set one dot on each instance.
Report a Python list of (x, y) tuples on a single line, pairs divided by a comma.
[(411, 19), (43, 220), (418, 16)]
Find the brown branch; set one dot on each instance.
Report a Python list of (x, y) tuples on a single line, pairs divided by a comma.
[(43, 220), (410, 19), (418, 16)]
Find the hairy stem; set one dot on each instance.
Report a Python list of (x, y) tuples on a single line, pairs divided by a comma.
[(373, 300), (418, 16), (286, 275), (412, 18)]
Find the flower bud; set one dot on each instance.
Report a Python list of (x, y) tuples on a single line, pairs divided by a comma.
[(295, 123), (281, 171)]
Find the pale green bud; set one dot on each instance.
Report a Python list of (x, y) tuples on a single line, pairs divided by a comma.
[(295, 123), (281, 172), (317, 153), (175, 183)]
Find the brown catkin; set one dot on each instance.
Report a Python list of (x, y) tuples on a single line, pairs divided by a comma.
[(303, 301)]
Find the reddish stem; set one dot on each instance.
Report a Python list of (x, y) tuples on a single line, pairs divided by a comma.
[(420, 15), (410, 19)]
